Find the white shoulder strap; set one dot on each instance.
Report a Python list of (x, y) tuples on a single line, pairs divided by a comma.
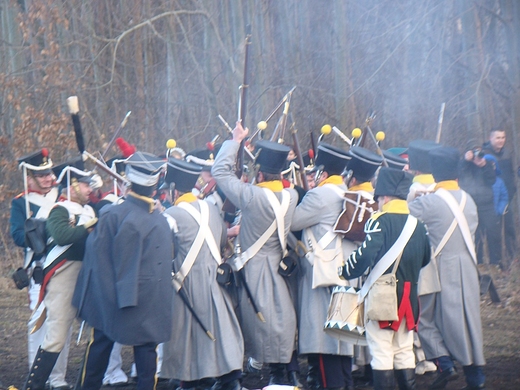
[(389, 257), (202, 219), (280, 209), (461, 220), (452, 227)]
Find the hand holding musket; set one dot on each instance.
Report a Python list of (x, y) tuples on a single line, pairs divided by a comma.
[(230, 130)]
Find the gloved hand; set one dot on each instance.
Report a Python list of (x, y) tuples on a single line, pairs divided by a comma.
[(90, 223)]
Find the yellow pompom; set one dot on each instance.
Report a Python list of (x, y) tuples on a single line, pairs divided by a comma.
[(262, 125), (380, 135), (356, 133), (171, 143), (326, 129)]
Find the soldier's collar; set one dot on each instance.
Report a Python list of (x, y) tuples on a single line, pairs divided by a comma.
[(424, 178), (366, 186), (274, 185), (334, 179), (396, 206), (150, 201), (450, 185), (188, 197)]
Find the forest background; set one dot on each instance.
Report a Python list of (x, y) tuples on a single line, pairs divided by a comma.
[(177, 64)]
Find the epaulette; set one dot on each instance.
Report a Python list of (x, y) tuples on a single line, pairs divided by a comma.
[(377, 214), (19, 195)]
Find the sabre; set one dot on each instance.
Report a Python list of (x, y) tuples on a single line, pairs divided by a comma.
[(116, 134), (184, 297)]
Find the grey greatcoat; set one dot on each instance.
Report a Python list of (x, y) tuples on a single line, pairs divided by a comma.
[(190, 355), (124, 287), (272, 341), (318, 211), (450, 322)]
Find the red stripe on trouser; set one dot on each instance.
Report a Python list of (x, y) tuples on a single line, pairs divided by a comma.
[(322, 372)]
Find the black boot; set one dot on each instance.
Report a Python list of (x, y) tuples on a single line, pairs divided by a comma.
[(294, 379), (231, 385), (41, 369), (276, 374), (405, 379), (313, 377), (383, 379)]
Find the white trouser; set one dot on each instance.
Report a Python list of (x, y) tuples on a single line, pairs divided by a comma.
[(35, 340), (114, 373), (390, 350)]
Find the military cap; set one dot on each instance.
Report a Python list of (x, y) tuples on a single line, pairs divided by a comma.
[(331, 159), (445, 163), (38, 161), (117, 164), (418, 155), (73, 170), (183, 173), (363, 163), (393, 182), (205, 157), (271, 156), (143, 169), (399, 151), (394, 160)]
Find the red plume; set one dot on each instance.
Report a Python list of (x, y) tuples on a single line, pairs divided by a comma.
[(125, 147), (45, 152), (210, 146), (311, 154)]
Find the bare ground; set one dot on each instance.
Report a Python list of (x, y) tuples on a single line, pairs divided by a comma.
[(501, 324)]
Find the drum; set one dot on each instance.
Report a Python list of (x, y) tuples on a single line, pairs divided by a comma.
[(358, 207), (345, 317)]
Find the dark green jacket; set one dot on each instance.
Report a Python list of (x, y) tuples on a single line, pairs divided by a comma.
[(382, 230), (63, 233)]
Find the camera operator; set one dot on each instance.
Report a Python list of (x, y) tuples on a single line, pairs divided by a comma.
[(477, 177)]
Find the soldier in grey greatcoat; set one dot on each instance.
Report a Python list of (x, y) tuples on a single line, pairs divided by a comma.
[(124, 288), (450, 325), (191, 355), (329, 360), (271, 341)]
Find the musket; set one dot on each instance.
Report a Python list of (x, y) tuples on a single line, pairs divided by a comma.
[(116, 134), (228, 207), (439, 125), (279, 131), (299, 157), (72, 103), (368, 130), (184, 297), (284, 99), (242, 101)]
